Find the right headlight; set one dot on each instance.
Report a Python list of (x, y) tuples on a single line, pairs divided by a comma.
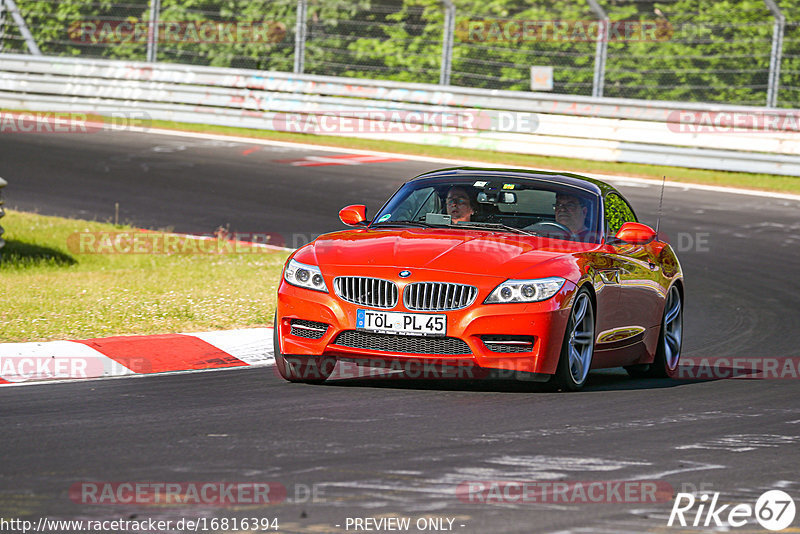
[(302, 275), (525, 290)]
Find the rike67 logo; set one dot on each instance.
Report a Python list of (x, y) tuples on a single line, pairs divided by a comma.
[(774, 510)]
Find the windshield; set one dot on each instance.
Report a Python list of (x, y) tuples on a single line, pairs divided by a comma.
[(524, 206)]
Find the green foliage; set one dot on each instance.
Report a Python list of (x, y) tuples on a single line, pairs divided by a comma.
[(50, 23), (687, 50), (617, 213), (709, 51)]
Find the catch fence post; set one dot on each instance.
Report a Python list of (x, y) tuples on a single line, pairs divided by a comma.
[(448, 33), (12, 8), (776, 54), (300, 37), (152, 31), (601, 49)]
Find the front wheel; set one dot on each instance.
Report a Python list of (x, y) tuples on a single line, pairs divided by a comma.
[(578, 347), (302, 369)]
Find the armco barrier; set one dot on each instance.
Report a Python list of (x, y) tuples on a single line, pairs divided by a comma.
[(663, 133)]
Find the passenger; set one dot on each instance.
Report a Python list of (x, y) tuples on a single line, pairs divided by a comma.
[(460, 206)]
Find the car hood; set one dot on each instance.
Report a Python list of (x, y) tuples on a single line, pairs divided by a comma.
[(469, 252)]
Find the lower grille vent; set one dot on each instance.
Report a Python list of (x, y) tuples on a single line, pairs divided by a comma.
[(308, 329), (508, 343), (449, 346)]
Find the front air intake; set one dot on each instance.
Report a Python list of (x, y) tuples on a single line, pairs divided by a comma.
[(308, 329), (508, 343)]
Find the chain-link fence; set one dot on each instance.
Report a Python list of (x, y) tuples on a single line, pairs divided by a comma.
[(737, 51)]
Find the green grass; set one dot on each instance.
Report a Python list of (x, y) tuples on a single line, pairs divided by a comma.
[(50, 290), (764, 182)]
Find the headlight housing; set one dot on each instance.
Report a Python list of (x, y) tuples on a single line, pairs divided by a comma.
[(302, 275), (525, 290)]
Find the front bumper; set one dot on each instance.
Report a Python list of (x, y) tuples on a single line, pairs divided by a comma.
[(545, 322)]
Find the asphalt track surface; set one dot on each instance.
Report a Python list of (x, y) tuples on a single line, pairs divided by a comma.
[(400, 448)]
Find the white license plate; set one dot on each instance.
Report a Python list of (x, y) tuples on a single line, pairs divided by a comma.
[(409, 324)]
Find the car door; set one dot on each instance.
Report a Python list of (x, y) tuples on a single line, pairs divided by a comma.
[(640, 298)]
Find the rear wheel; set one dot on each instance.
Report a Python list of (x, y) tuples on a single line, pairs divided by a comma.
[(670, 339), (578, 347), (303, 369)]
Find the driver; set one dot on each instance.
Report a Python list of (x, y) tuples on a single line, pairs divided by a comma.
[(571, 212), (459, 205)]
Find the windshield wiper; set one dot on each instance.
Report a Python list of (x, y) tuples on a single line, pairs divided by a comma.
[(420, 224), (479, 225), (492, 226)]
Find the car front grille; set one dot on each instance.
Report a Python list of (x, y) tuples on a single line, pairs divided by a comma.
[(508, 343), (450, 346), (372, 292), (308, 329), (438, 296)]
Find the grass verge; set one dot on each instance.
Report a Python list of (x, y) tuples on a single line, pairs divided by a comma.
[(51, 289)]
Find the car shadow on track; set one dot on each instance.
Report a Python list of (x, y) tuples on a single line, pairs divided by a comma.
[(603, 380)]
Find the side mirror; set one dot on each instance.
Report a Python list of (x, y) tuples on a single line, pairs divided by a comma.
[(636, 233), (353, 215)]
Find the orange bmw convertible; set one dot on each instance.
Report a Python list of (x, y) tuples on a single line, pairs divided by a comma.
[(499, 272)]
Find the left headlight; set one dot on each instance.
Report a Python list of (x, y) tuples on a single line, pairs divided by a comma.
[(525, 290), (302, 275)]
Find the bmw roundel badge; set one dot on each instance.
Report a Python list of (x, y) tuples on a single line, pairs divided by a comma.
[(405, 274)]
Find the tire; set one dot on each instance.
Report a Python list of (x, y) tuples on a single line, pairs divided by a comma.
[(301, 369), (578, 346), (670, 339)]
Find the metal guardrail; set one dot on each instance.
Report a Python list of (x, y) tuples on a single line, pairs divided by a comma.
[(555, 125)]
